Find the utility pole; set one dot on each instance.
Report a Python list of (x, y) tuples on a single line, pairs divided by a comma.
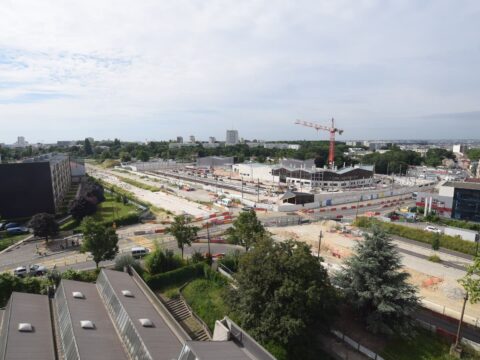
[(208, 237), (258, 190), (242, 186), (457, 341), (319, 243)]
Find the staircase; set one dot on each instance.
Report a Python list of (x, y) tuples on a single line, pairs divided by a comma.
[(179, 309)]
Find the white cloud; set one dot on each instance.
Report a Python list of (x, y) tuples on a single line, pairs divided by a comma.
[(154, 69)]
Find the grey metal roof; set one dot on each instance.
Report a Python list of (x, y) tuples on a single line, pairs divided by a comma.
[(160, 341), (102, 341), (463, 185), (33, 309), (218, 350)]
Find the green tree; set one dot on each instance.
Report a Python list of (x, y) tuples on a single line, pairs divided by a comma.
[(100, 241), (142, 155), (374, 284), (183, 233), (162, 260), (246, 230), (283, 293), (471, 281), (125, 156), (44, 225), (436, 242), (88, 147)]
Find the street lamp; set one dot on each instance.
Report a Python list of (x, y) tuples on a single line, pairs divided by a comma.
[(319, 243), (455, 348)]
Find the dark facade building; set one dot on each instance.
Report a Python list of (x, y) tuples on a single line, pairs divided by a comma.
[(466, 201), (33, 186)]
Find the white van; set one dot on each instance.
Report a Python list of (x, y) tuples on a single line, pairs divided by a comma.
[(138, 252)]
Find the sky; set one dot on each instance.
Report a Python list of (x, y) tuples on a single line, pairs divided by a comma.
[(156, 69)]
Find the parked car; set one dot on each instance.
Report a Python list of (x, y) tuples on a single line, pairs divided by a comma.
[(433, 229), (20, 271), (17, 230), (11, 225), (2, 225), (37, 270)]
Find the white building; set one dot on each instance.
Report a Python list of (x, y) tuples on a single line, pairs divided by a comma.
[(255, 172), (192, 139), (212, 140), (459, 149), (20, 142), (232, 137)]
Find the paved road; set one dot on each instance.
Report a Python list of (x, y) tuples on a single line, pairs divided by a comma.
[(448, 325)]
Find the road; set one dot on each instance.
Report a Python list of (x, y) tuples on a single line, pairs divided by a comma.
[(27, 253)]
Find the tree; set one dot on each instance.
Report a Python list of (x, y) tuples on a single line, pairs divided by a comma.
[(88, 147), (246, 230), (183, 233), (100, 241), (471, 281), (44, 225), (374, 284), (125, 156), (142, 155), (436, 242), (162, 260), (80, 208), (282, 293)]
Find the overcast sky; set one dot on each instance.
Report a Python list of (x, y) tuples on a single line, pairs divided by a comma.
[(156, 69)]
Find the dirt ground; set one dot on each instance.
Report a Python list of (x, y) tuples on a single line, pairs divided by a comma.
[(336, 246)]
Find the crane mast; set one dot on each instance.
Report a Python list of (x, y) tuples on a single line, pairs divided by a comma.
[(332, 130)]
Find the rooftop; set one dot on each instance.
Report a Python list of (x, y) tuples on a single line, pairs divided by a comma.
[(218, 350), (20, 345), (463, 185), (103, 338), (160, 341)]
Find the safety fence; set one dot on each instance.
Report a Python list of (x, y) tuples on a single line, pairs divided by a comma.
[(357, 346)]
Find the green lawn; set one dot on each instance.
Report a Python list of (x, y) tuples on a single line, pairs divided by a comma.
[(424, 346), (107, 211), (110, 209), (207, 299), (10, 240), (139, 184)]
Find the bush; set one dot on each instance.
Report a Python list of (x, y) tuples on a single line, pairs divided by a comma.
[(162, 260), (85, 276), (197, 257), (182, 275), (231, 260), (448, 242), (434, 258), (10, 283), (124, 260)]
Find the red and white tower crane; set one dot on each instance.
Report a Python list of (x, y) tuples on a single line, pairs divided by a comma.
[(332, 130)]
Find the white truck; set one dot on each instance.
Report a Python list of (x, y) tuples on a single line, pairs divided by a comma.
[(468, 235)]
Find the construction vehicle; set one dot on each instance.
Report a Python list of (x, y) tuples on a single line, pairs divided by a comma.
[(332, 130)]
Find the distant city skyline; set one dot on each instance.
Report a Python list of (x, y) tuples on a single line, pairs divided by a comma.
[(154, 71)]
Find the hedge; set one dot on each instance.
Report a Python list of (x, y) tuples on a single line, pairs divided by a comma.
[(446, 241), (182, 275)]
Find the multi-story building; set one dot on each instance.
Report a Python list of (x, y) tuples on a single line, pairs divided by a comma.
[(212, 140), (214, 161), (232, 137), (179, 139), (192, 139), (33, 186)]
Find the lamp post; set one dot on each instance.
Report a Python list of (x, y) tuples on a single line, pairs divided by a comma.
[(319, 243), (455, 348)]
